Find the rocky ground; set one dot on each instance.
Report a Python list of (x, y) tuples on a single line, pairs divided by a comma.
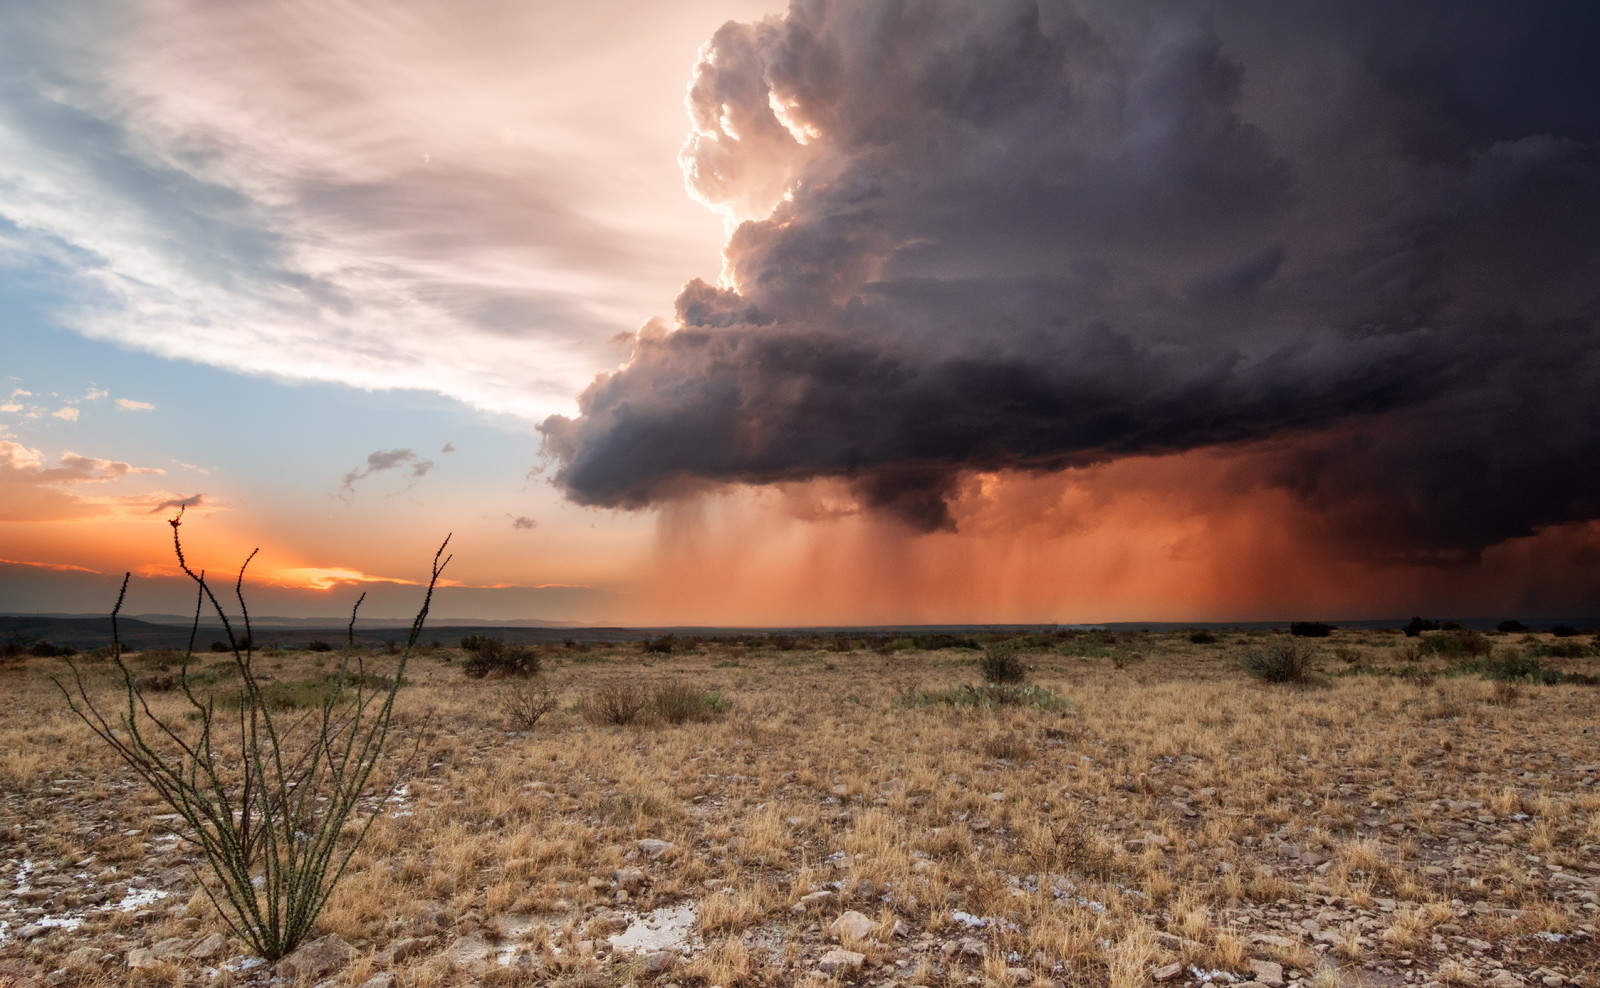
[(1177, 823)]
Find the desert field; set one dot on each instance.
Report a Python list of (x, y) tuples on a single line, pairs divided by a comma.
[(1140, 811)]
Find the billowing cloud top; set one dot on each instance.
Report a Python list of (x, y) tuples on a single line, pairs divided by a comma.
[(1029, 235)]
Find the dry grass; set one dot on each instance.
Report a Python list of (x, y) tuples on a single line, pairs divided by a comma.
[(1368, 830)]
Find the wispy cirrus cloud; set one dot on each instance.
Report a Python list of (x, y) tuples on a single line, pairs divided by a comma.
[(350, 193)]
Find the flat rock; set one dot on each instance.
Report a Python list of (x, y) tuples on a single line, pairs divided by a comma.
[(318, 959), (1269, 973), (469, 953), (851, 926), (209, 948), (1167, 972), (814, 900), (660, 962), (839, 959), (654, 849)]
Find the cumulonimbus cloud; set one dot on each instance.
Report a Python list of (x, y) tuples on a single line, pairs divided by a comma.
[(1029, 235)]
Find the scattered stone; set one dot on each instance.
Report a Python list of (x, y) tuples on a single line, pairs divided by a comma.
[(851, 926), (1167, 972), (839, 959), (384, 980), (814, 900), (630, 879), (318, 959), (469, 953), (1269, 973), (166, 952), (407, 948), (655, 849), (1019, 975), (660, 962), (83, 957), (209, 948)]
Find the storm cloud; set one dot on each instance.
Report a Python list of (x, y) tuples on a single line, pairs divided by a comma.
[(1030, 236)]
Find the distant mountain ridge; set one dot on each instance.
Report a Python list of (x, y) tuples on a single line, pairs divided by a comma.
[(172, 631)]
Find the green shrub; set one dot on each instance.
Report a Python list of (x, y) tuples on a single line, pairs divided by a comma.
[(318, 645), (679, 703), (1564, 649), (1417, 626), (1563, 631), (1283, 660), (1201, 636), (663, 645), (1457, 643), (1510, 627), (50, 650), (1001, 664)]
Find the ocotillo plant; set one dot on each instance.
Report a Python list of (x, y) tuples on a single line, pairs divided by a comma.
[(265, 795)]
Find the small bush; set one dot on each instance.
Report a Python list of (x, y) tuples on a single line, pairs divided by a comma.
[(524, 704), (678, 703), (663, 645), (1310, 629), (1282, 661), (1563, 631), (318, 645), (1122, 658), (493, 657), (1417, 626), (616, 704), (1457, 643), (989, 696), (1510, 627), (1010, 747), (1349, 655), (1000, 664), (50, 650), (1202, 637), (1563, 650)]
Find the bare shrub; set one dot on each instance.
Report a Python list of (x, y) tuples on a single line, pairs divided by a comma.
[(680, 703), (491, 657), (1284, 660), (1009, 746), (616, 704), (523, 704)]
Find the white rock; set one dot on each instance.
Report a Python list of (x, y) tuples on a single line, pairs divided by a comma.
[(654, 849)]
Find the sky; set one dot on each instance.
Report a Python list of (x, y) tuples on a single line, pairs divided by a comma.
[(835, 312)]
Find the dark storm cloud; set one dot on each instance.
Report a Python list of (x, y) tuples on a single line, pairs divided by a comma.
[(1035, 235)]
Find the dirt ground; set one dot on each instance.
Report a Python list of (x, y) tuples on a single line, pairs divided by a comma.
[(1144, 813)]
